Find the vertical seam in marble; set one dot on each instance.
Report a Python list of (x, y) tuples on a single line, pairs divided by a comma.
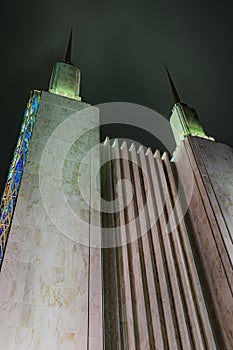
[(89, 257)]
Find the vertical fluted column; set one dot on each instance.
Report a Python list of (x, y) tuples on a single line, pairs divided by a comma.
[(160, 302)]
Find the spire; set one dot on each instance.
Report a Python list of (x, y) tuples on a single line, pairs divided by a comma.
[(69, 48), (175, 95), (65, 78)]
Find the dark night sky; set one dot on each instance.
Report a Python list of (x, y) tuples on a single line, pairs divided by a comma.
[(121, 48)]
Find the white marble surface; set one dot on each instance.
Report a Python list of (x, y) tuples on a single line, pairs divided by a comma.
[(50, 285), (210, 229)]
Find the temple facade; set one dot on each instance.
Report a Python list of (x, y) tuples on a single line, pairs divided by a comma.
[(91, 262)]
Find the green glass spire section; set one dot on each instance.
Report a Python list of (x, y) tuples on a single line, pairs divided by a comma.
[(184, 120), (65, 79)]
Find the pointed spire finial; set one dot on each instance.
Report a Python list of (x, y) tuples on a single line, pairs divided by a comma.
[(69, 48), (175, 95)]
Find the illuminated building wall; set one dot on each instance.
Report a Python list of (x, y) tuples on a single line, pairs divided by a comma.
[(158, 275)]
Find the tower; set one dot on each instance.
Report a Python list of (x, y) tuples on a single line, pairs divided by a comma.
[(156, 276), (209, 220), (50, 283)]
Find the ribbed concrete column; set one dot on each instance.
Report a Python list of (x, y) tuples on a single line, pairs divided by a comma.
[(162, 290)]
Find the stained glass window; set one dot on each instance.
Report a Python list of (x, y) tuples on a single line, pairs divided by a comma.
[(9, 196)]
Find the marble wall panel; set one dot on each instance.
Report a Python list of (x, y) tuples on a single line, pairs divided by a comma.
[(45, 278)]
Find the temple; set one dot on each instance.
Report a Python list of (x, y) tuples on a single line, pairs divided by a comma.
[(89, 262)]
